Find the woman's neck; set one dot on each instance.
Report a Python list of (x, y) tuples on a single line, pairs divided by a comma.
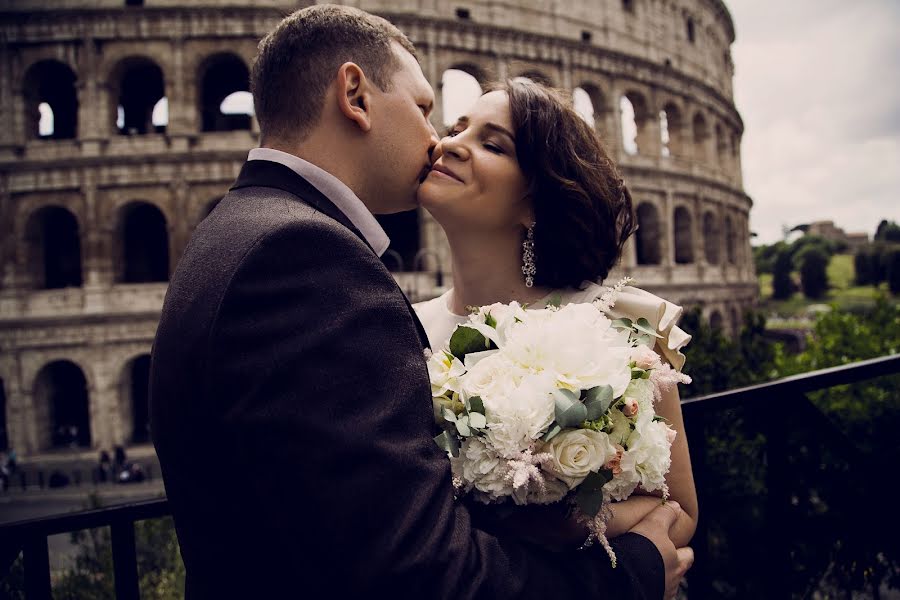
[(487, 268)]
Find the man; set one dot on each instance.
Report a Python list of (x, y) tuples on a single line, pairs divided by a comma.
[(287, 354)]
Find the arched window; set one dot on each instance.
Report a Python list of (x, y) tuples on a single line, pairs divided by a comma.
[(670, 130), (711, 238), (722, 153), (634, 123), (460, 88), (583, 105), (138, 89), (735, 321), (134, 398), (225, 77), (648, 235), (599, 106), (684, 239), (715, 320), (54, 248), (730, 245), (144, 244), (51, 102), (701, 137), (61, 406), (403, 229)]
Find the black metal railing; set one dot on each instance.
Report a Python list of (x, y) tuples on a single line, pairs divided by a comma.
[(779, 441), (30, 539)]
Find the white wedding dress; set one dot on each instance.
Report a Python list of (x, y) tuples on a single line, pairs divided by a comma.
[(631, 302)]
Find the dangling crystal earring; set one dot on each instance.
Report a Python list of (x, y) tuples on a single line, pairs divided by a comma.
[(528, 268)]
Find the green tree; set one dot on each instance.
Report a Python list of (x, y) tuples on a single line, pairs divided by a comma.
[(888, 231), (813, 275), (893, 270), (782, 284)]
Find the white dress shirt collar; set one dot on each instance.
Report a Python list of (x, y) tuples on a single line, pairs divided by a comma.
[(335, 190)]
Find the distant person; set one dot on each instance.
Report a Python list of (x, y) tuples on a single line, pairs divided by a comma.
[(104, 467)]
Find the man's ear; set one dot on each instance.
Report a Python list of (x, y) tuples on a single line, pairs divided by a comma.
[(354, 95)]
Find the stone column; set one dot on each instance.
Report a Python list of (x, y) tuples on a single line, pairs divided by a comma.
[(182, 114), (10, 96), (668, 235), (107, 430), (180, 229), (93, 98)]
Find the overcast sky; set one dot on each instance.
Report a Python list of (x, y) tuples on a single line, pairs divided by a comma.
[(817, 83)]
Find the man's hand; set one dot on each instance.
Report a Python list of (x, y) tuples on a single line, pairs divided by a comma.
[(655, 527)]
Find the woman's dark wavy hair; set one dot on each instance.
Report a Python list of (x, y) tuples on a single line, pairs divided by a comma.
[(582, 210)]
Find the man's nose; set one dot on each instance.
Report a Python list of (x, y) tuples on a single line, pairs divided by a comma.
[(433, 141)]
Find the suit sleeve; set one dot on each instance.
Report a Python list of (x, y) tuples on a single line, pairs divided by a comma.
[(326, 392)]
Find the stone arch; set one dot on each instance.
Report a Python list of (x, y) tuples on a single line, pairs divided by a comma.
[(735, 319), (460, 88), (715, 320), (683, 235), (721, 142), (648, 237), (219, 77), (53, 248), (137, 86), (134, 398), (584, 106), (599, 103), (49, 85), (142, 241), (700, 131), (404, 230), (730, 243), (671, 130), (62, 405), (635, 120), (711, 238)]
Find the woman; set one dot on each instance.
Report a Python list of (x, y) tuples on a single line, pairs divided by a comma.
[(534, 208)]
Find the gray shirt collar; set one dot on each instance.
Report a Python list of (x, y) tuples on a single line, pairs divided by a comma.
[(335, 190)]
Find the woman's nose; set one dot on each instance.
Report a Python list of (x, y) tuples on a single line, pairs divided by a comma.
[(454, 146)]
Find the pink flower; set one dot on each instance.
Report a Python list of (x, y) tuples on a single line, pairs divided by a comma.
[(645, 358), (615, 463), (629, 407)]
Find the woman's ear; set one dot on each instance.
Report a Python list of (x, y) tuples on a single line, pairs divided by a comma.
[(354, 95)]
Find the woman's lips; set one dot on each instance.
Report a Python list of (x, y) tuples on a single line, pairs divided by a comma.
[(442, 171)]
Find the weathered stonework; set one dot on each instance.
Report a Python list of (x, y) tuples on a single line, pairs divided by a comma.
[(99, 178)]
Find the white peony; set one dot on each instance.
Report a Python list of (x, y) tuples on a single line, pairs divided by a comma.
[(479, 466), (649, 455), (444, 371), (576, 453), (491, 377), (576, 343), (521, 414)]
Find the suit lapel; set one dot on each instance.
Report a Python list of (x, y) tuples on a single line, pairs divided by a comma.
[(264, 173)]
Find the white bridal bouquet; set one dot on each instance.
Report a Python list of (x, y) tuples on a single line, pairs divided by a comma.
[(554, 404)]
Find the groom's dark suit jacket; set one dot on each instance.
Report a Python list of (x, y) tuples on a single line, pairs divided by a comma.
[(291, 411)]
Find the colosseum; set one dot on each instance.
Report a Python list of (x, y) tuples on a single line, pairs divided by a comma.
[(122, 124)]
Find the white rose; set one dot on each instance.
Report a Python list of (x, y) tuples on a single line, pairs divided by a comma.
[(576, 453), (444, 371), (479, 466), (491, 377), (519, 415)]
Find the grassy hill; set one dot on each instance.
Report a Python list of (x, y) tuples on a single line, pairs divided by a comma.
[(798, 311)]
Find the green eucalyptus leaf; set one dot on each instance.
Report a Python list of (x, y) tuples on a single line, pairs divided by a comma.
[(552, 432), (570, 411), (448, 443), (637, 373), (623, 323), (475, 404), (466, 340), (643, 325), (449, 415), (589, 496), (597, 401), (462, 426), (555, 300)]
